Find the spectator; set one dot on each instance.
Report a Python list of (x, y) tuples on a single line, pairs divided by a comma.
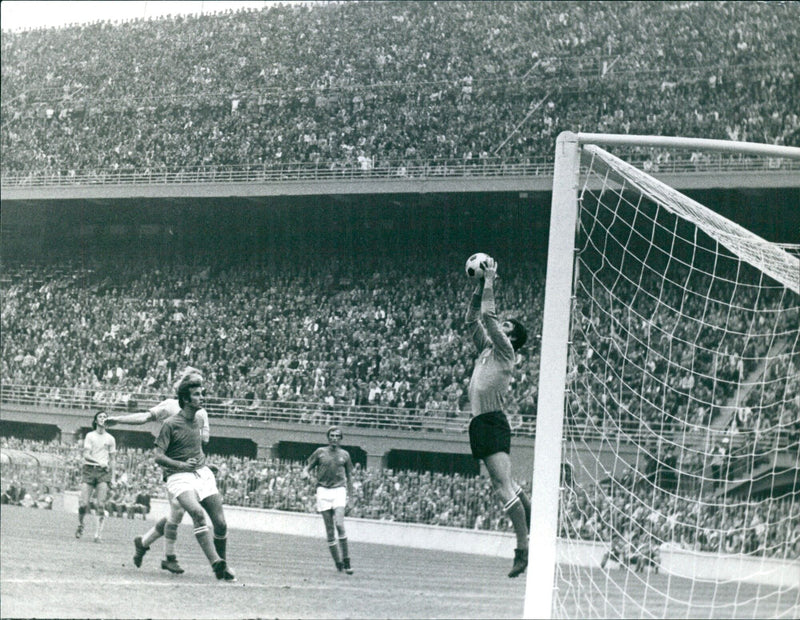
[(271, 99), (141, 505)]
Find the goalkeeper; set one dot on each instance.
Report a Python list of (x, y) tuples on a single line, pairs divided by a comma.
[(489, 431), (166, 526)]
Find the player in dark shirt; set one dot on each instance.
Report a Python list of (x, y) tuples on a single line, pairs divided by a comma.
[(489, 432), (179, 451), (334, 470), (166, 526)]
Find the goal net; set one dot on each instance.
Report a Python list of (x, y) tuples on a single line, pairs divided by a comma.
[(670, 377)]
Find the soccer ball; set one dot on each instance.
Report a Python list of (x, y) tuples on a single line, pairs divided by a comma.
[(475, 265)]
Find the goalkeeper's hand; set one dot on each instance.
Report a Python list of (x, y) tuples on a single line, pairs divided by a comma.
[(489, 270)]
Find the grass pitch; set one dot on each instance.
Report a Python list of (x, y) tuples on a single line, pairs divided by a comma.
[(48, 573), (45, 572)]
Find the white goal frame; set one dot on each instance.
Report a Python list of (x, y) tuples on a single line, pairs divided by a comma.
[(555, 335)]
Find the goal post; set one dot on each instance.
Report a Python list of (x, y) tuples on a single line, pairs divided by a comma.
[(664, 323), (552, 378)]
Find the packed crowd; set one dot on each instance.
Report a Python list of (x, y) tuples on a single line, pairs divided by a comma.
[(334, 342), (333, 334), (333, 84), (769, 527), (368, 85)]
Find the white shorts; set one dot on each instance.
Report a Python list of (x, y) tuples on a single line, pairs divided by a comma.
[(201, 481), (328, 499)]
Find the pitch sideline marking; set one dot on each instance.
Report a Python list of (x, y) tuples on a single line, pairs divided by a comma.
[(206, 584)]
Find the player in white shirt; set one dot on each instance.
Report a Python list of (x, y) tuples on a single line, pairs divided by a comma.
[(166, 526), (97, 473)]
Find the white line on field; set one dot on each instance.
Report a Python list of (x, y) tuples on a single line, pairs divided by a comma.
[(355, 587)]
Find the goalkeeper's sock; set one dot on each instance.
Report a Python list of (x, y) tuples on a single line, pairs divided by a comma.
[(526, 504), (516, 513)]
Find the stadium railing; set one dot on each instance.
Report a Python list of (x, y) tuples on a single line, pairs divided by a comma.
[(315, 413), (301, 412), (334, 171)]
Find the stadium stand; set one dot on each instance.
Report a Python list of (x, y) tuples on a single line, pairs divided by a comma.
[(272, 90), (442, 85), (264, 92), (92, 338), (339, 348)]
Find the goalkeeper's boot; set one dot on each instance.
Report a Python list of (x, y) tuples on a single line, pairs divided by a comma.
[(79, 531), (346, 564), (520, 562), (340, 566), (171, 564), (140, 551)]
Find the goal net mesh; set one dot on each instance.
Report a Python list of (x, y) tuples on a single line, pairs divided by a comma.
[(679, 492)]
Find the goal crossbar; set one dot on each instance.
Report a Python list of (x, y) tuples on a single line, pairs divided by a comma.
[(700, 144)]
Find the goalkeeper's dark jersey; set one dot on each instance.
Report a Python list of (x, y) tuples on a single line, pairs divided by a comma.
[(492, 373)]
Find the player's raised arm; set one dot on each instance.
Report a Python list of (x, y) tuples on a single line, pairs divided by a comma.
[(133, 419), (494, 331), (476, 330), (205, 428)]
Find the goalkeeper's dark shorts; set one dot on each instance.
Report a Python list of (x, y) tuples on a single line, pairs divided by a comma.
[(489, 433)]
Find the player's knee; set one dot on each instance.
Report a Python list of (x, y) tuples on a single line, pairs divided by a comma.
[(176, 513), (199, 521), (198, 518), (175, 517), (220, 528)]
